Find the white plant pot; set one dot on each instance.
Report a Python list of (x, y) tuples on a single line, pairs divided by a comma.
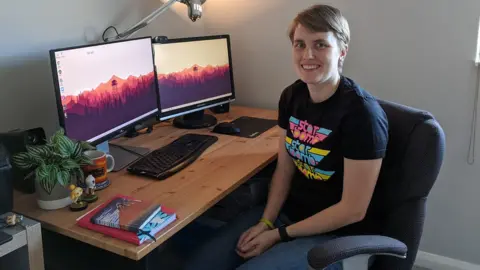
[(58, 198)]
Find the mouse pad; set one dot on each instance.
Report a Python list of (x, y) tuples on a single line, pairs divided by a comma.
[(251, 127)]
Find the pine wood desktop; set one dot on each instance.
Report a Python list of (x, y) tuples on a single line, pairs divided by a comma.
[(218, 171)]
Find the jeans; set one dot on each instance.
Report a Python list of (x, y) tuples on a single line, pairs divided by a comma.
[(218, 252)]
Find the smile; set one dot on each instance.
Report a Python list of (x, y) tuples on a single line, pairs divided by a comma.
[(310, 67)]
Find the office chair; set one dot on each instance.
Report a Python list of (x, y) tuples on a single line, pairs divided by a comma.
[(414, 156)]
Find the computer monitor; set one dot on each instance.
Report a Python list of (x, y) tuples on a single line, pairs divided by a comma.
[(193, 74), (103, 90)]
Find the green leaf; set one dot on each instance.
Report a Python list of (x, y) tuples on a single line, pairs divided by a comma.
[(24, 161), (65, 146), (53, 172), (55, 137), (85, 160), (50, 141), (77, 151), (52, 178), (86, 146), (57, 156), (44, 177), (47, 185), (59, 133), (80, 175), (64, 178), (77, 176), (68, 164), (38, 176), (38, 153), (42, 171)]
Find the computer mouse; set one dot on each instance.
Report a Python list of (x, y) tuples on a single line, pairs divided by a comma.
[(226, 128)]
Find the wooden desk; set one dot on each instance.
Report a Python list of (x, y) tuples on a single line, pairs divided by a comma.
[(221, 169)]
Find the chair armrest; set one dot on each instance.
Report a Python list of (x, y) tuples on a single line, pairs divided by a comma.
[(339, 249)]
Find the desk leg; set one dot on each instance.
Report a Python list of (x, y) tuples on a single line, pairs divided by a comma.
[(143, 264), (35, 247)]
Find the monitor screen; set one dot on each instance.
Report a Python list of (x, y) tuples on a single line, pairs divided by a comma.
[(193, 73), (104, 88)]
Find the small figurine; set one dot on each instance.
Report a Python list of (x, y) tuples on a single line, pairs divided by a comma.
[(11, 220), (89, 195), (75, 194)]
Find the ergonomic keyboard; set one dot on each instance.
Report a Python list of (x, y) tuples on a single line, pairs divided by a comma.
[(173, 157)]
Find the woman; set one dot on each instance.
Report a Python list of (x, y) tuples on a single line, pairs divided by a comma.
[(333, 141)]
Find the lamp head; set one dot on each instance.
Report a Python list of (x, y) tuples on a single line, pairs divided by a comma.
[(194, 8)]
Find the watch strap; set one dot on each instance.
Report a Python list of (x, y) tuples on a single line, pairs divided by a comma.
[(284, 235)]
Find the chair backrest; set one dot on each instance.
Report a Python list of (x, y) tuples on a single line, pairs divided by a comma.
[(414, 156)]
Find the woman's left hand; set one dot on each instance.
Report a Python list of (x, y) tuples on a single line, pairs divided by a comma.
[(259, 244)]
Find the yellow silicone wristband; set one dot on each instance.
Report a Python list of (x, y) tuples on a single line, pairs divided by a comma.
[(268, 223)]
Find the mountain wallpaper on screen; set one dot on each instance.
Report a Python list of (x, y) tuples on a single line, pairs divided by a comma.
[(193, 84), (111, 104)]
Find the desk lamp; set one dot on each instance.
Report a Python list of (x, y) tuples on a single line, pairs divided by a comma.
[(194, 12)]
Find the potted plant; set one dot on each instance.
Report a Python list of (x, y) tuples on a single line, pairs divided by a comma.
[(58, 163)]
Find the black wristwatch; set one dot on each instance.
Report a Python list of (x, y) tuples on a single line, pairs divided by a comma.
[(284, 237)]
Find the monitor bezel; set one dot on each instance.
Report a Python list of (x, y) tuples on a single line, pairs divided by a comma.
[(202, 106), (113, 132)]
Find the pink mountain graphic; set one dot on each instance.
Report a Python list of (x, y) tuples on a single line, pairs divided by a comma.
[(116, 90), (110, 104), (194, 75), (194, 84)]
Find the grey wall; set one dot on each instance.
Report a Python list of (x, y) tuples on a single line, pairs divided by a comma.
[(29, 29), (414, 52)]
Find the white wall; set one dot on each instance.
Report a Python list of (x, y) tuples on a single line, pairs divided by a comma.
[(30, 28), (418, 53)]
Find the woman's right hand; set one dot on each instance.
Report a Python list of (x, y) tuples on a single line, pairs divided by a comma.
[(250, 234)]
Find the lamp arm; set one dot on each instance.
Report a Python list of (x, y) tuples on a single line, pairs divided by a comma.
[(143, 23)]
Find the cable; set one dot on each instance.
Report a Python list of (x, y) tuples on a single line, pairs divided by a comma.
[(104, 32), (141, 24), (473, 131)]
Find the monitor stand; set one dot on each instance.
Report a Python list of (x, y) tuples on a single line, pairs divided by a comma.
[(195, 120), (133, 132), (123, 155)]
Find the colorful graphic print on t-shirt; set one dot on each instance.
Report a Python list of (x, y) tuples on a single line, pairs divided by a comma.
[(300, 147)]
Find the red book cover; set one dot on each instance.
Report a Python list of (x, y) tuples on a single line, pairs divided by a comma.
[(167, 216)]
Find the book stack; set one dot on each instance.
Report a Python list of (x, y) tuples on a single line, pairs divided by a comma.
[(128, 219)]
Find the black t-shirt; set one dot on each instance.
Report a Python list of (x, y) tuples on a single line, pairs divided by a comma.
[(349, 124)]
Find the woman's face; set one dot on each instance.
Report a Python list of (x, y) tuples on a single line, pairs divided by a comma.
[(316, 55)]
